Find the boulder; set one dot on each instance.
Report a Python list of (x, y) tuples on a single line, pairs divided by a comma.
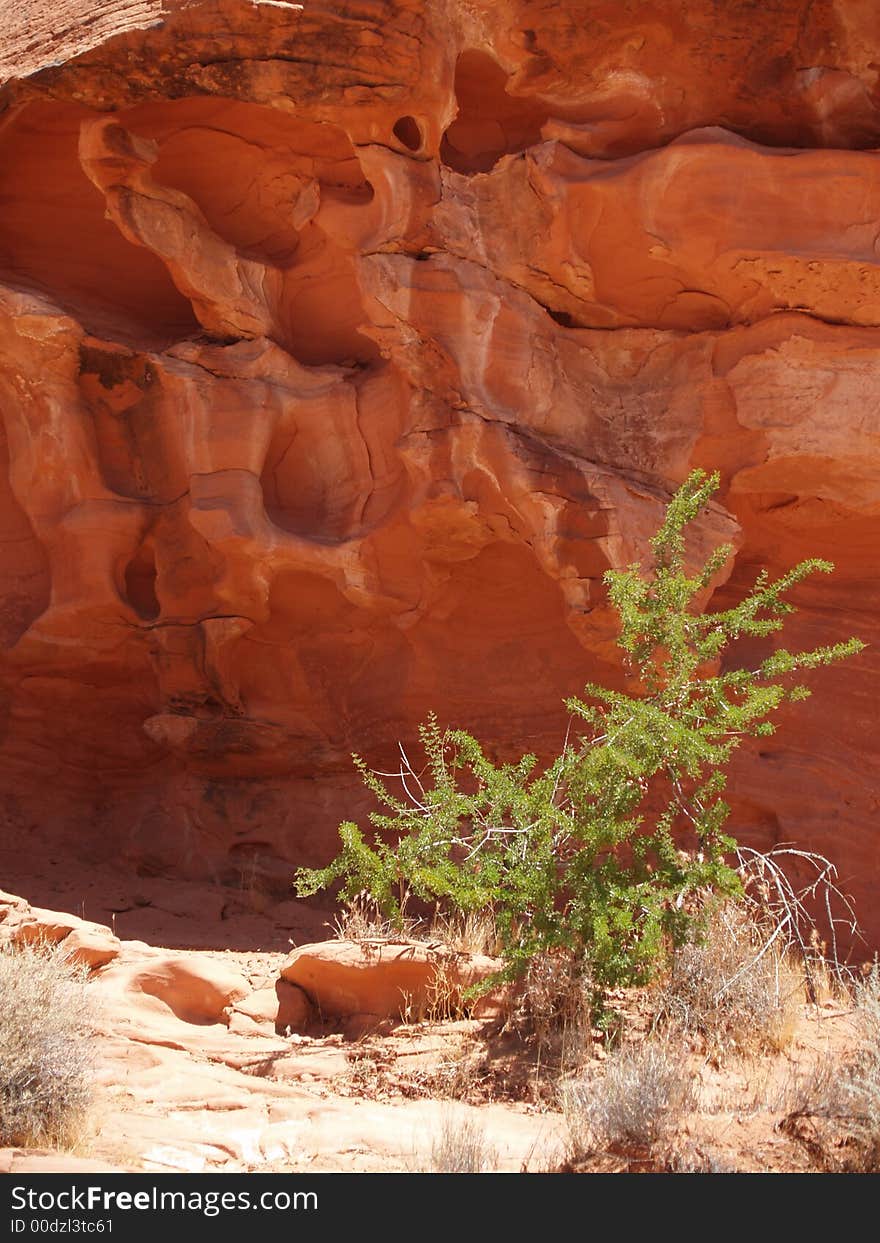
[(197, 988), (406, 980), (83, 942)]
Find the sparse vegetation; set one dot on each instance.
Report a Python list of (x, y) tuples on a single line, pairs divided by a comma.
[(456, 1078), (461, 1147), (836, 1110), (639, 1098), (467, 932), (741, 977), (360, 919), (861, 1087), (45, 1047), (603, 857), (553, 1004), (696, 1160), (725, 985)]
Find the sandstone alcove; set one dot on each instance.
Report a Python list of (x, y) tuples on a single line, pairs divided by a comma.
[(364, 345)]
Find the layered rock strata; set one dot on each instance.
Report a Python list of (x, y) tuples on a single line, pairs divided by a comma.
[(344, 347)]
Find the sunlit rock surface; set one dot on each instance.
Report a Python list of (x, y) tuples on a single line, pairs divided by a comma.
[(343, 347)]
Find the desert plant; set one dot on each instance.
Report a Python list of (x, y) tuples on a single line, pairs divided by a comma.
[(45, 1046), (842, 1098), (459, 1073), (722, 986), (554, 1004), (740, 977), (597, 856), (461, 1147), (639, 1098), (692, 1159), (466, 932), (781, 913), (861, 1086), (361, 919), (867, 996)]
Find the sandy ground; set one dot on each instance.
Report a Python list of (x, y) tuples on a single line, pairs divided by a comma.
[(174, 1094)]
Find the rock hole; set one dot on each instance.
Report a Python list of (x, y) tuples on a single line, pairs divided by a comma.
[(408, 131), (490, 123), (562, 317), (227, 156), (317, 476), (140, 584), (780, 500)]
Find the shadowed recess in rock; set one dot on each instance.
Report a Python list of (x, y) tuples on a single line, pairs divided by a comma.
[(261, 179), (54, 236), (489, 122), (24, 566), (140, 584)]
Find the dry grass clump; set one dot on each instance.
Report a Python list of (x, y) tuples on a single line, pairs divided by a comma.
[(638, 1099), (733, 988), (463, 932), (457, 1080), (45, 1047), (695, 1159), (361, 920), (553, 1003), (467, 932), (860, 1089), (443, 997), (836, 1110), (461, 1148), (868, 1014)]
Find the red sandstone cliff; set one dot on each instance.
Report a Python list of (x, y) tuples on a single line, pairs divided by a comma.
[(344, 346)]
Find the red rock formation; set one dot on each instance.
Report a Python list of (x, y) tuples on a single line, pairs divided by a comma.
[(82, 942), (344, 347), (390, 979)]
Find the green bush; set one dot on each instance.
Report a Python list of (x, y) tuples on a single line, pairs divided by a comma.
[(597, 856)]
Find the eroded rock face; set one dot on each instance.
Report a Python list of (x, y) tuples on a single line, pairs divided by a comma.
[(344, 347)]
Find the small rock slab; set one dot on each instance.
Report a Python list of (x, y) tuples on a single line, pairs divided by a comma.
[(387, 979), (83, 942), (47, 1161), (195, 987)]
